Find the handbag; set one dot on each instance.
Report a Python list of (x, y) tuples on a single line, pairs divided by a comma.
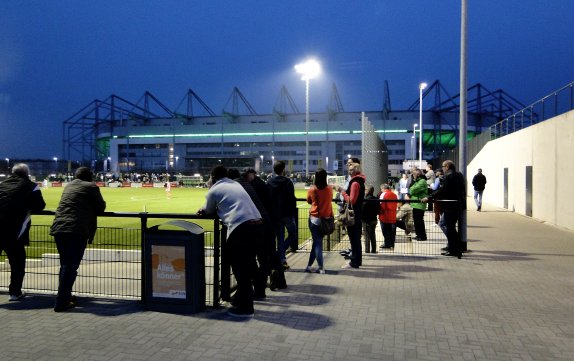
[(327, 225), (347, 215)]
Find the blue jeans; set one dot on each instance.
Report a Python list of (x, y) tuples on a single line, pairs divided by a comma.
[(282, 242), (317, 249), (478, 198), (71, 248)]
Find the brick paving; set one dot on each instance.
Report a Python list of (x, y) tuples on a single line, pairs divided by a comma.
[(510, 298)]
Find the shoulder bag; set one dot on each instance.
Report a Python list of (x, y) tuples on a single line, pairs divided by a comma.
[(327, 225)]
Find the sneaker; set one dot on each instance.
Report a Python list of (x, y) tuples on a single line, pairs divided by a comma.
[(17, 297), (307, 269), (285, 266), (235, 312), (321, 271)]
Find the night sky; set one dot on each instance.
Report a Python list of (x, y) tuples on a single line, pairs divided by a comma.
[(57, 56)]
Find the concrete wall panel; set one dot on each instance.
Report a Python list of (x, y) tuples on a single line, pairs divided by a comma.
[(549, 148)]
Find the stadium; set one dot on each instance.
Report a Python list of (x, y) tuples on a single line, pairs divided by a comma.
[(121, 136)]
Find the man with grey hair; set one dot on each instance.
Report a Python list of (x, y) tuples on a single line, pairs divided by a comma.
[(19, 197)]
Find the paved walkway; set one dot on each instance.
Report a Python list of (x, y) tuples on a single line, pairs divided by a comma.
[(511, 298)]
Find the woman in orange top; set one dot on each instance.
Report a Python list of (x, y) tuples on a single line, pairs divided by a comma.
[(320, 197)]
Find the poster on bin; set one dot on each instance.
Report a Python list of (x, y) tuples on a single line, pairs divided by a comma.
[(168, 271)]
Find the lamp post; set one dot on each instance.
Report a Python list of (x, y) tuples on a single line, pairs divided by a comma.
[(261, 164), (415, 125), (309, 70), (413, 139), (422, 86), (272, 163), (7, 164), (56, 162)]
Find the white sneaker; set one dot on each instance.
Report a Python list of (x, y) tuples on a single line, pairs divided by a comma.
[(307, 269), (17, 297), (321, 271)]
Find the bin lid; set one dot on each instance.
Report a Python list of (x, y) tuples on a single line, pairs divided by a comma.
[(188, 226)]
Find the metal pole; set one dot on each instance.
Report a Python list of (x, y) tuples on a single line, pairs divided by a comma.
[(463, 110), (306, 129), (420, 127)]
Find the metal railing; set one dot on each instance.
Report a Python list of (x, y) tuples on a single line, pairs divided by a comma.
[(113, 265), (555, 103)]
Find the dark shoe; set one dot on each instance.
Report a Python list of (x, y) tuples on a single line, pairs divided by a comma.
[(285, 266), (65, 307), (236, 312), (444, 249), (479, 208), (260, 297), (383, 247), (448, 254)]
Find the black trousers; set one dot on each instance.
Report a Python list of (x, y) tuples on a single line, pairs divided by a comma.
[(17, 257), (241, 250), (354, 233), (452, 235), (71, 248), (419, 220)]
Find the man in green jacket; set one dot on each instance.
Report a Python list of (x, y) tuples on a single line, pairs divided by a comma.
[(74, 227)]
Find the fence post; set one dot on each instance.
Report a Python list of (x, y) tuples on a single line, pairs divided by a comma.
[(216, 259), (143, 221)]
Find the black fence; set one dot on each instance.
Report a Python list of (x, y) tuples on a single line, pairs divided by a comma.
[(113, 265)]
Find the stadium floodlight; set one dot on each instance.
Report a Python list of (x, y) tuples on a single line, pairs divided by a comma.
[(422, 86), (309, 69)]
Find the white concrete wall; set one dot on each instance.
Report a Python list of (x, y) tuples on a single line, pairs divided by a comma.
[(549, 148)]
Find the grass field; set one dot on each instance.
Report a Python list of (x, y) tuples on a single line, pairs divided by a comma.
[(136, 200), (152, 200)]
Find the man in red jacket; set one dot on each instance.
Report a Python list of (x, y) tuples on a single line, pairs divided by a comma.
[(388, 215)]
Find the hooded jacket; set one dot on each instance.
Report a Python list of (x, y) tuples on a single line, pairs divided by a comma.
[(283, 202)]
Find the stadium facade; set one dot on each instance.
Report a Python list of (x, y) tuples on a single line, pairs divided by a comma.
[(122, 136)]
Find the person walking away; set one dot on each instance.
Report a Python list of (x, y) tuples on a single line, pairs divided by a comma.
[(74, 226), (452, 197), (284, 211), (388, 216), (19, 197), (244, 225), (479, 184), (355, 194), (370, 212), (320, 197), (418, 191)]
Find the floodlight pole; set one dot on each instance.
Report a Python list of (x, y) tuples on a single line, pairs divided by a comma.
[(306, 128)]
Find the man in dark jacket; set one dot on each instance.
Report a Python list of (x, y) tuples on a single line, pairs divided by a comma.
[(453, 197), (479, 183), (284, 211), (19, 196), (74, 227)]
